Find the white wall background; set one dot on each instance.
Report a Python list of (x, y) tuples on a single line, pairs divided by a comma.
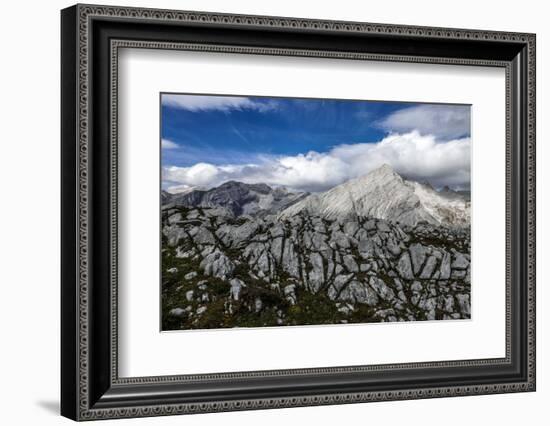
[(29, 217)]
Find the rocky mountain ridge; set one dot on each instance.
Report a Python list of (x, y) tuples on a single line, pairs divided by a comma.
[(238, 197), (384, 194), (381, 194)]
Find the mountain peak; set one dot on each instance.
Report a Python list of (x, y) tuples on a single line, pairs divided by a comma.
[(378, 177), (384, 194), (386, 168), (384, 171)]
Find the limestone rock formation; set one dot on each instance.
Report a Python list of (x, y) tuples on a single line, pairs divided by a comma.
[(226, 271)]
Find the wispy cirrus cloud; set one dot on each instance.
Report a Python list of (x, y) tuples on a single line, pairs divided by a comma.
[(168, 144), (443, 121), (198, 103), (413, 155)]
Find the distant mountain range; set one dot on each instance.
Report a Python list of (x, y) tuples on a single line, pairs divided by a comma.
[(237, 197), (381, 194)]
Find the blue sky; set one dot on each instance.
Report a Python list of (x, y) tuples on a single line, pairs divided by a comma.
[(308, 144)]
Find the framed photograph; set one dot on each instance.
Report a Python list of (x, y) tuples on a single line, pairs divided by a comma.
[(263, 212)]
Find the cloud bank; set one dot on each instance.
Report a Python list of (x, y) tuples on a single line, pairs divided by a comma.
[(198, 103), (413, 155), (443, 121)]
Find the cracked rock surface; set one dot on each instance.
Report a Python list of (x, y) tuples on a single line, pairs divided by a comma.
[(224, 270)]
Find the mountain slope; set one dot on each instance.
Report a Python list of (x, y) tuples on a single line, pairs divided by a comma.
[(165, 197), (240, 198), (384, 194)]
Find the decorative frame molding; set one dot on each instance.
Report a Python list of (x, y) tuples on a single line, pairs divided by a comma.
[(91, 37)]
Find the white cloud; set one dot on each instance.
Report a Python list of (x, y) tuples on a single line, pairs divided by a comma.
[(413, 155), (168, 144), (442, 121), (200, 174), (197, 103), (181, 189)]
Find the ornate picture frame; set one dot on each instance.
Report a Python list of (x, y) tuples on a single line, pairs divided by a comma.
[(91, 37)]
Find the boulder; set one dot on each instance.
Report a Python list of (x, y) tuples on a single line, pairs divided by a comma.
[(418, 255), (190, 275), (404, 267), (218, 265), (445, 268), (381, 288), (177, 312), (460, 261), (316, 276), (290, 262), (350, 263), (428, 268), (236, 287)]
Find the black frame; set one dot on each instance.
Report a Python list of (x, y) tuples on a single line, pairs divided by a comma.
[(90, 387)]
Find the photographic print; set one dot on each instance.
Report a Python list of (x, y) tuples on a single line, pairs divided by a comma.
[(293, 211)]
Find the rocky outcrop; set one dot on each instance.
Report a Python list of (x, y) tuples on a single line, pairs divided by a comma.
[(225, 271)]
